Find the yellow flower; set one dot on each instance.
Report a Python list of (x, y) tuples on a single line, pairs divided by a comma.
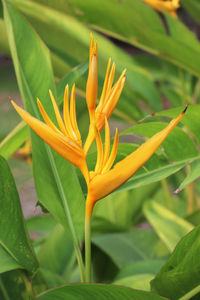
[(66, 140), (161, 5), (104, 180), (109, 96)]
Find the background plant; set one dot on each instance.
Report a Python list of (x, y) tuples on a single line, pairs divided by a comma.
[(168, 77)]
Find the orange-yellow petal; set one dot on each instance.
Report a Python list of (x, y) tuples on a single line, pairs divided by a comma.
[(57, 113), (107, 143), (92, 84), (113, 154), (103, 184), (99, 162), (45, 116), (105, 85), (60, 143), (73, 114)]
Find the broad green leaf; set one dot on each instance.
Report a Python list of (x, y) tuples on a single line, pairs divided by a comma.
[(15, 246), (129, 247), (14, 140), (140, 26), (169, 227), (179, 32), (70, 78), (140, 267), (97, 292), (7, 261), (35, 78), (140, 282), (43, 225), (118, 212), (57, 242), (72, 48), (179, 278), (194, 173)]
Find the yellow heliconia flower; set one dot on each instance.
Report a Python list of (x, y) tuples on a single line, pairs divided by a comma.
[(109, 96), (66, 140), (165, 5), (104, 180)]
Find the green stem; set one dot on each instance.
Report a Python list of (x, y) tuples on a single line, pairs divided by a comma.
[(88, 250), (88, 216), (28, 285), (192, 293)]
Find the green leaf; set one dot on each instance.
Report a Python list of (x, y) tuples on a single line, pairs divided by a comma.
[(137, 245), (141, 281), (140, 267), (179, 278), (15, 246), (168, 226), (72, 48), (97, 292), (35, 78), (57, 242), (14, 140), (194, 173), (140, 26), (43, 225)]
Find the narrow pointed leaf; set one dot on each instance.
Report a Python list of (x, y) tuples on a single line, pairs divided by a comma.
[(168, 226), (15, 245)]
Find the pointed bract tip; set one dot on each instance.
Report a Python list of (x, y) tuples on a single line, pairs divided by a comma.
[(185, 109)]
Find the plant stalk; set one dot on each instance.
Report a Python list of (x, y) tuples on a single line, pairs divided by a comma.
[(88, 215), (28, 286), (190, 294)]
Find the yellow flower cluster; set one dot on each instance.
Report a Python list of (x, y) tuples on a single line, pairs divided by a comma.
[(66, 139)]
